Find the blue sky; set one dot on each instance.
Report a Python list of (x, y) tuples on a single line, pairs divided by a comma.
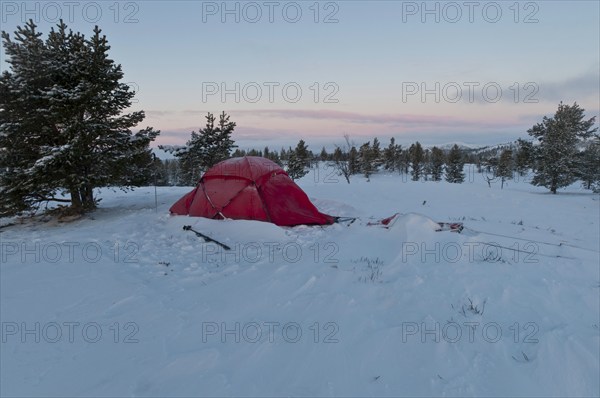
[(363, 73)]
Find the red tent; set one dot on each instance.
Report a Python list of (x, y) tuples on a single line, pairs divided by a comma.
[(250, 188)]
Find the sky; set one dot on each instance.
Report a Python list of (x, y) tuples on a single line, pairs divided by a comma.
[(475, 72)]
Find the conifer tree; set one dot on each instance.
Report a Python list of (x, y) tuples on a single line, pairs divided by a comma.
[(588, 164), (390, 155), (454, 166), (353, 161), (376, 154), (524, 156), (366, 157), (63, 129), (416, 158), (505, 167), (437, 163), (324, 155), (299, 161), (403, 160), (205, 148), (558, 136), (427, 166)]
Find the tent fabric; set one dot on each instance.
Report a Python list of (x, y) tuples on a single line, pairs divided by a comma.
[(250, 188)]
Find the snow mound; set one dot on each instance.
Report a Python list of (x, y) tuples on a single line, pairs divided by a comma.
[(233, 231), (414, 227)]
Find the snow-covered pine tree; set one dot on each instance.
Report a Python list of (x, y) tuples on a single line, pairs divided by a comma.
[(63, 129), (389, 155), (556, 156), (22, 131), (437, 163), (223, 145), (189, 170), (588, 164), (298, 161), (376, 154), (426, 164), (398, 157), (454, 166), (353, 161), (324, 155), (524, 156), (366, 157), (416, 158), (403, 160), (205, 148), (505, 167)]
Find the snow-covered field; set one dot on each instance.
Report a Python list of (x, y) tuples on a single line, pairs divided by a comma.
[(125, 303)]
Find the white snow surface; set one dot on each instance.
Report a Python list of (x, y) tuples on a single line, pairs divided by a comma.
[(123, 302)]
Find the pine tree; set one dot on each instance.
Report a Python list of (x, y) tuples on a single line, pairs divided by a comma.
[(298, 161), (437, 163), (427, 166), (63, 130), (403, 160), (275, 158), (206, 148), (524, 156), (220, 149), (505, 167), (172, 171), (283, 154), (254, 152), (416, 158), (324, 155), (558, 137), (588, 164), (454, 166), (390, 155), (160, 175), (272, 155), (353, 161), (376, 154), (238, 153), (366, 157)]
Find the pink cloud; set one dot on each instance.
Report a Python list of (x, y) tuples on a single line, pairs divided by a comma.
[(399, 120)]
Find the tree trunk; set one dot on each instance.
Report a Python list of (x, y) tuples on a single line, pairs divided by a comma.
[(87, 197), (75, 199)]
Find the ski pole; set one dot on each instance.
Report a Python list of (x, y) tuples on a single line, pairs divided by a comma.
[(206, 238)]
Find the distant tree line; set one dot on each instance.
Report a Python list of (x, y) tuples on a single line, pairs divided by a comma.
[(367, 159), (564, 149)]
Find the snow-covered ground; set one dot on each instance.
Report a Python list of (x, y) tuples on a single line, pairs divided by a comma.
[(125, 303)]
